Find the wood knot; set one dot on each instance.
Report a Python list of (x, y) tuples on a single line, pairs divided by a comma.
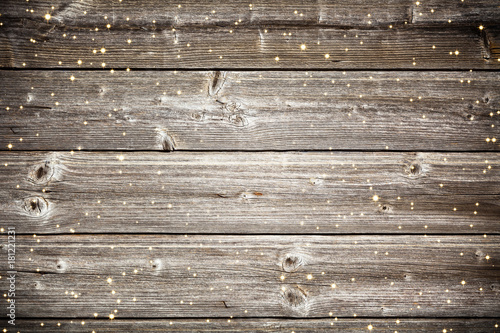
[(486, 99), (217, 80), (294, 297), (292, 263), (238, 120), (61, 265), (156, 265), (408, 277), (36, 206), (159, 100), (42, 173), (166, 141), (251, 195), (384, 208), (315, 181), (413, 169), (38, 285), (198, 116)]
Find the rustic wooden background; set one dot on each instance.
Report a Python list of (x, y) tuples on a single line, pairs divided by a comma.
[(256, 166)]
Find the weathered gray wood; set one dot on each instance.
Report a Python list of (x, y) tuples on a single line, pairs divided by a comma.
[(257, 325), (147, 110), (343, 13), (256, 276), (35, 44), (282, 193)]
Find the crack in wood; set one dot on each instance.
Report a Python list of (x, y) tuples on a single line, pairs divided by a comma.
[(486, 44), (218, 78)]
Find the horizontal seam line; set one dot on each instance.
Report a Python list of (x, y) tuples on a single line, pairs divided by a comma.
[(142, 69), (259, 234), (270, 318), (255, 151)]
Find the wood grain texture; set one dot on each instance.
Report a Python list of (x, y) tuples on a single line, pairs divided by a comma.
[(256, 276), (359, 325), (276, 110), (343, 13), (308, 166), (281, 193), (34, 44)]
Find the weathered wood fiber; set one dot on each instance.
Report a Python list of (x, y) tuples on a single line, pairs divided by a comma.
[(256, 276), (333, 165), (343, 13), (35, 44), (149, 110), (282, 193), (257, 325)]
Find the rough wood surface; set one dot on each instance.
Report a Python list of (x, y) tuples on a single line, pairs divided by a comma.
[(256, 276), (282, 193), (359, 325), (389, 221), (342, 13), (276, 110), (33, 44)]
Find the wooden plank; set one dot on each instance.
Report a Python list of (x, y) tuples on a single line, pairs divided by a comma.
[(148, 110), (256, 325), (281, 193), (35, 44), (343, 13), (255, 276)]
